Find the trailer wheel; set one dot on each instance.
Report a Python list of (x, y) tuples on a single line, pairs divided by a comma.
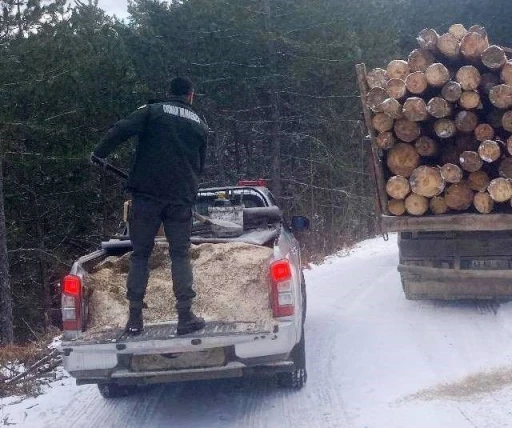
[(297, 378), (109, 390)]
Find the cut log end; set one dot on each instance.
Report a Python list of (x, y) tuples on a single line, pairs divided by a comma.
[(500, 189), (489, 151), (470, 161), (396, 207), (478, 181), (438, 205), (398, 69), (398, 187), (426, 181), (483, 202), (416, 205), (459, 196), (403, 159), (451, 173)]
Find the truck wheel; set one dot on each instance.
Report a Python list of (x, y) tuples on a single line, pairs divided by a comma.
[(297, 378), (110, 390)]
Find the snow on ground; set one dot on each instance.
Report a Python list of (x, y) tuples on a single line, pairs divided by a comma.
[(374, 360)]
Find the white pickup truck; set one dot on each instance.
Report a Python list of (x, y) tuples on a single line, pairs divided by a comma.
[(117, 362)]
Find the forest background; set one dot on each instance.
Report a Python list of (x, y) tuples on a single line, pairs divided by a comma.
[(274, 79)]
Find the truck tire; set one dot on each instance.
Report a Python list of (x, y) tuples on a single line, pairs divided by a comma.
[(109, 390), (297, 378)]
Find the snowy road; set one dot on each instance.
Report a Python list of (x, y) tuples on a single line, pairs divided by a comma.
[(374, 360)]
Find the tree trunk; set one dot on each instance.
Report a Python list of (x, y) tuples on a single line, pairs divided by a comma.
[(489, 151), (494, 57), (483, 202), (438, 107), (445, 128), (484, 131), (501, 96), (469, 78), (6, 319), (451, 173), (466, 121), (470, 161), (459, 196), (451, 91), (426, 181), (438, 205), (416, 204), (500, 189), (398, 187), (449, 46), (437, 75), (426, 146), (416, 83), (406, 130), (403, 159), (420, 59), (415, 109), (398, 69), (478, 181), (377, 78), (470, 100)]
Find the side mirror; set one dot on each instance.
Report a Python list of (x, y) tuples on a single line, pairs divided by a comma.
[(299, 223)]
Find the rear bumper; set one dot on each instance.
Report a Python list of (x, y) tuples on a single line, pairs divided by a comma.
[(261, 351), (231, 370)]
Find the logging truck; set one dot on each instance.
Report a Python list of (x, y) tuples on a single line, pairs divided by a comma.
[(440, 153)]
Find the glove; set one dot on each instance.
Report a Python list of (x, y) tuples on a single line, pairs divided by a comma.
[(96, 160)]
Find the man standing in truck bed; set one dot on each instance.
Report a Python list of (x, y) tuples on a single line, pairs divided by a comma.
[(163, 181)]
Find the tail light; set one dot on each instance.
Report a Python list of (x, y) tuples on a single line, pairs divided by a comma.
[(282, 290), (71, 302), (259, 182)]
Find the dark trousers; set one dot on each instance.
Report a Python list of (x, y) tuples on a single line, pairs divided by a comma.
[(146, 215)]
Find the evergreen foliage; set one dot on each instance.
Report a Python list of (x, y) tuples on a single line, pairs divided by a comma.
[(274, 80)]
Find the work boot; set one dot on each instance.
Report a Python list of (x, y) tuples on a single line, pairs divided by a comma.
[(188, 322), (135, 323)]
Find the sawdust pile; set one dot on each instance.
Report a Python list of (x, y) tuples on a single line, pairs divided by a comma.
[(230, 280)]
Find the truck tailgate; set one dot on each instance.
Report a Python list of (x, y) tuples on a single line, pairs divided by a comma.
[(158, 338)]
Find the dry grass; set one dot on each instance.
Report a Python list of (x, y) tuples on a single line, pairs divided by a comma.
[(14, 359)]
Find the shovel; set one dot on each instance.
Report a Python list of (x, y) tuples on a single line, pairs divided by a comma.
[(220, 228)]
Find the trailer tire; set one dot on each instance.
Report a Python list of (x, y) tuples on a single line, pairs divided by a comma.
[(109, 390), (297, 378)]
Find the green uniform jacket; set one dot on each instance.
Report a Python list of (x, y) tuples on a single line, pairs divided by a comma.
[(170, 151)]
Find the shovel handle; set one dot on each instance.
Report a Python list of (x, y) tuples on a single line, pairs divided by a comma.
[(201, 218)]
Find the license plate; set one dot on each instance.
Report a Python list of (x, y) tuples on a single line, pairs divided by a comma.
[(502, 264)]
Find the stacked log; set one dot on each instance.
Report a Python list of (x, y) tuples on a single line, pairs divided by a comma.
[(442, 122)]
